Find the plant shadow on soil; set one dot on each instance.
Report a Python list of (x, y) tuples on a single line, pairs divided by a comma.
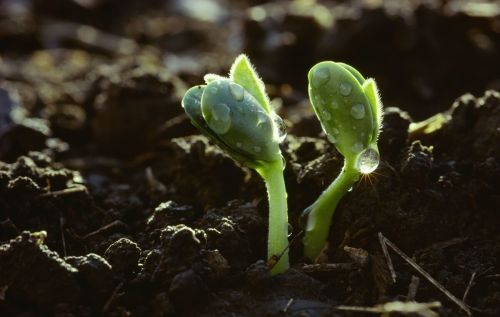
[(112, 205)]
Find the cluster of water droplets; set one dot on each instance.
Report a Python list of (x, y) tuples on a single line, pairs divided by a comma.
[(220, 118), (367, 158), (367, 161)]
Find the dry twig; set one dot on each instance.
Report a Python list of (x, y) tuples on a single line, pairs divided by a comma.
[(423, 309), (381, 238), (469, 285), (420, 270)]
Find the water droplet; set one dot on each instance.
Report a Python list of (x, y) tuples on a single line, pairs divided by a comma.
[(357, 147), (318, 100), (261, 118), (327, 115), (350, 189), (284, 162), (320, 77), (331, 138), (220, 120), (290, 230), (280, 127), (335, 104), (367, 161), (257, 149), (237, 91), (214, 89), (345, 89), (335, 130), (358, 111)]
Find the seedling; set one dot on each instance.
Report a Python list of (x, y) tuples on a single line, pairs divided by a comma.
[(350, 111), (236, 114)]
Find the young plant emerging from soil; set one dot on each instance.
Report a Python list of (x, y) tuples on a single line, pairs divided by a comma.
[(236, 114), (350, 112)]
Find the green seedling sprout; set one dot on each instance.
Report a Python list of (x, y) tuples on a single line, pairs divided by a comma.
[(236, 114), (350, 112)]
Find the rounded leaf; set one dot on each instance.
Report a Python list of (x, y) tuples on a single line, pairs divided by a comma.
[(345, 112), (237, 118), (191, 102)]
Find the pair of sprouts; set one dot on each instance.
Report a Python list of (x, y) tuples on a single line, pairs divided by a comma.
[(236, 114)]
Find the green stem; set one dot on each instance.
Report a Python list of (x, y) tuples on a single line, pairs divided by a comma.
[(277, 242), (320, 213)]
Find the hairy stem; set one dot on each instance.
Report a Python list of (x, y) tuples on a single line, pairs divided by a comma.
[(277, 242), (320, 213)]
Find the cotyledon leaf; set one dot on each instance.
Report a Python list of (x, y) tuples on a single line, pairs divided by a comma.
[(371, 92), (240, 122), (344, 110), (243, 73), (191, 102), (354, 72)]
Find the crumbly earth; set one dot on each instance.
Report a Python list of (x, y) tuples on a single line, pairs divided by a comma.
[(111, 204)]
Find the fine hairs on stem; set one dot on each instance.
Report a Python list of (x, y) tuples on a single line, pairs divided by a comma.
[(350, 111), (235, 113)]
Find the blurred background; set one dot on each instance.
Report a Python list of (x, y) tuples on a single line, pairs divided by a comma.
[(84, 68)]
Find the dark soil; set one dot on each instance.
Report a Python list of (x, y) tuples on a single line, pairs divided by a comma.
[(111, 204)]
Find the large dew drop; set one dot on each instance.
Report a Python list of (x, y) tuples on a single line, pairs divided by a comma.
[(345, 89), (236, 91), (220, 119), (368, 161), (320, 77), (280, 128), (358, 111)]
